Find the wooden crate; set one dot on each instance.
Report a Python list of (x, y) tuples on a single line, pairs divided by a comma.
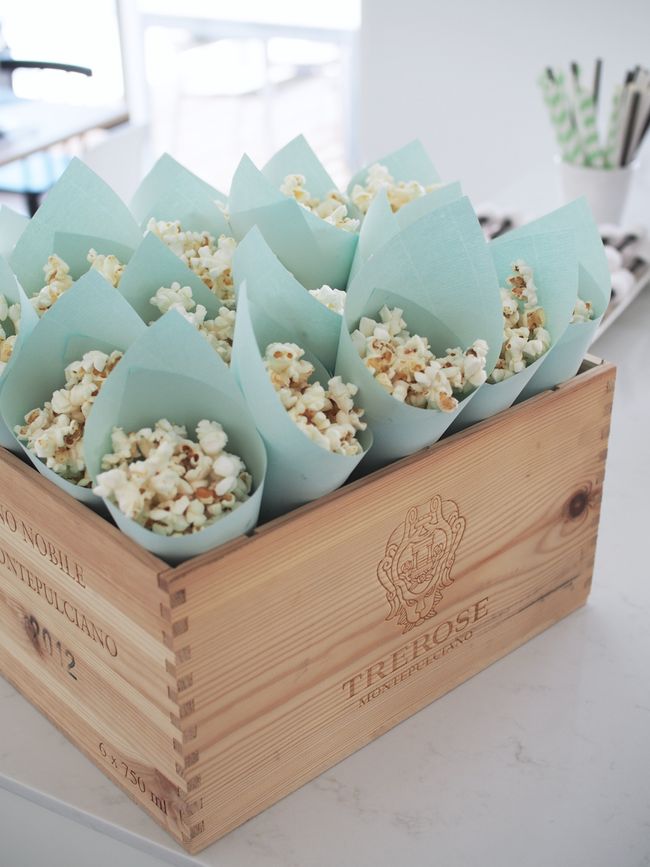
[(211, 690)]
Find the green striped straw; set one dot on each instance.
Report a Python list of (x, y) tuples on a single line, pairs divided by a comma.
[(557, 102), (613, 129), (585, 112)]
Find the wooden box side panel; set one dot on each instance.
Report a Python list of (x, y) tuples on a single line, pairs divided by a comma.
[(83, 616), (326, 628), (119, 758), (65, 538)]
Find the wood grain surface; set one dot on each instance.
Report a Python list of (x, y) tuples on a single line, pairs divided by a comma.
[(245, 672)]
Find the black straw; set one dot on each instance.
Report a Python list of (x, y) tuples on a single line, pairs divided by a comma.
[(597, 74)]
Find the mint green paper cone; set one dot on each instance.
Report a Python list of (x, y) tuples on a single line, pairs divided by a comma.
[(315, 252), (565, 358), (171, 372), (12, 291), (409, 163), (439, 271), (90, 315), (594, 285), (398, 428), (12, 225), (73, 248), (552, 256), (297, 157), (154, 265), (299, 470), (79, 202), (443, 263), (284, 300), (381, 224), (172, 192)]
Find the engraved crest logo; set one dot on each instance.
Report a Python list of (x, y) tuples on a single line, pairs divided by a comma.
[(417, 564)]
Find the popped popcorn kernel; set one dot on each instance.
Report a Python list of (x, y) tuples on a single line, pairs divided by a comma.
[(399, 193), (332, 209), (219, 332), (327, 416), (583, 311), (108, 265), (57, 281), (524, 337), (55, 431), (170, 484), (333, 299), (209, 259), (9, 328), (405, 366)]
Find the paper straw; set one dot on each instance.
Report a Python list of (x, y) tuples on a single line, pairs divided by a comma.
[(588, 128), (642, 135), (629, 127), (557, 102), (613, 127), (597, 76)]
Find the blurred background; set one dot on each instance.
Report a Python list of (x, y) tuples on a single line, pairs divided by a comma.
[(207, 80)]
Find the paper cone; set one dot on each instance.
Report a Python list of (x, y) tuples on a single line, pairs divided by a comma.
[(12, 290), (552, 256), (381, 224), (299, 470), (284, 300), (440, 272), (314, 251), (80, 202), (594, 284), (154, 265), (90, 315), (172, 192), (171, 372)]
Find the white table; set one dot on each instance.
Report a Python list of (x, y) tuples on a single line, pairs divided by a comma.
[(33, 126), (540, 760)]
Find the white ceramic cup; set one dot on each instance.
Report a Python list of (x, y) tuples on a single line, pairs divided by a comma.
[(606, 190)]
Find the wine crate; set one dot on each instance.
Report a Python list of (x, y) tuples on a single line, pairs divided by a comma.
[(209, 691)]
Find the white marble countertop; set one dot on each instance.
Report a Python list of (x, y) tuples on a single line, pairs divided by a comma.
[(542, 759)]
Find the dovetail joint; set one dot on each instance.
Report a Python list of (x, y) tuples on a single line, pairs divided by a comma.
[(197, 829), (183, 655), (178, 597), (180, 626)]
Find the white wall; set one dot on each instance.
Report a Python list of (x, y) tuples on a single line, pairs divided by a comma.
[(462, 77)]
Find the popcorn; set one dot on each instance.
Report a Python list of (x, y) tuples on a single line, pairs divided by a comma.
[(57, 281), (327, 416), (170, 484), (55, 432), (399, 193), (583, 311), (8, 313), (209, 259), (404, 365), (219, 332), (333, 299), (524, 337), (332, 209), (109, 266)]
